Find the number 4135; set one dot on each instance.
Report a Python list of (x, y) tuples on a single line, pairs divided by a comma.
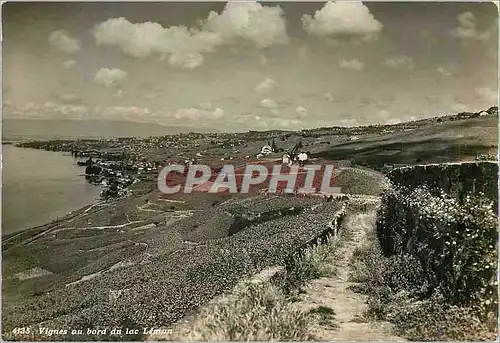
[(21, 331)]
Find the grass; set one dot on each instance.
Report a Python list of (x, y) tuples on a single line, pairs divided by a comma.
[(365, 259), (315, 262), (361, 264), (325, 315), (260, 312), (435, 320)]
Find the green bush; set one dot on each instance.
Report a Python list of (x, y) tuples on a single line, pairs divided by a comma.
[(397, 293), (433, 270), (455, 243)]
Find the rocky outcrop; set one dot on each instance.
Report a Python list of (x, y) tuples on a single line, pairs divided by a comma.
[(93, 170)]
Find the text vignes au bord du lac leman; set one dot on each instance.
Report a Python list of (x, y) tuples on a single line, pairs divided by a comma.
[(43, 331)]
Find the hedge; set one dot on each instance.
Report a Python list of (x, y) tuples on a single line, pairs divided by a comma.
[(453, 239)]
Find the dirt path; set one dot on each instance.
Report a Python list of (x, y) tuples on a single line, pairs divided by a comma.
[(331, 292), (334, 292)]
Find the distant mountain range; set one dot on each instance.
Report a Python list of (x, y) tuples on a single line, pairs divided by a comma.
[(42, 129)]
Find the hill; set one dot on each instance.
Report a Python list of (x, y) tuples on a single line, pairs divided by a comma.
[(43, 129), (440, 142)]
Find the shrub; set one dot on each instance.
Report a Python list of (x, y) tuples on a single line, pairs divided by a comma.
[(453, 241), (432, 272), (395, 289)]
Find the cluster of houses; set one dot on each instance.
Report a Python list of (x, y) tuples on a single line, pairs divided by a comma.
[(296, 154), (486, 157), (268, 149)]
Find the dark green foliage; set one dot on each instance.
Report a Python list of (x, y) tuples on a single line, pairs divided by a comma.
[(453, 241), (458, 180), (433, 270)]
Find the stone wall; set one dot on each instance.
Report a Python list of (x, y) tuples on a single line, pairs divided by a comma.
[(458, 179)]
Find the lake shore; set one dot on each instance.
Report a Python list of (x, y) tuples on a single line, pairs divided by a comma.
[(40, 187)]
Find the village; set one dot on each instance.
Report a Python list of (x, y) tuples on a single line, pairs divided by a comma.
[(117, 163)]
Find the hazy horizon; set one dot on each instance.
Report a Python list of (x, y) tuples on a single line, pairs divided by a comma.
[(21, 129), (249, 66)]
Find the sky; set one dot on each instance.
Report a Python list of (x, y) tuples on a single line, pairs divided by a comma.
[(249, 66)]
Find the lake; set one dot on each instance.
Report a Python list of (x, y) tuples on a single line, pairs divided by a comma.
[(40, 186)]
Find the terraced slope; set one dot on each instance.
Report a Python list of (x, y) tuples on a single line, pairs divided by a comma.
[(152, 276)]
